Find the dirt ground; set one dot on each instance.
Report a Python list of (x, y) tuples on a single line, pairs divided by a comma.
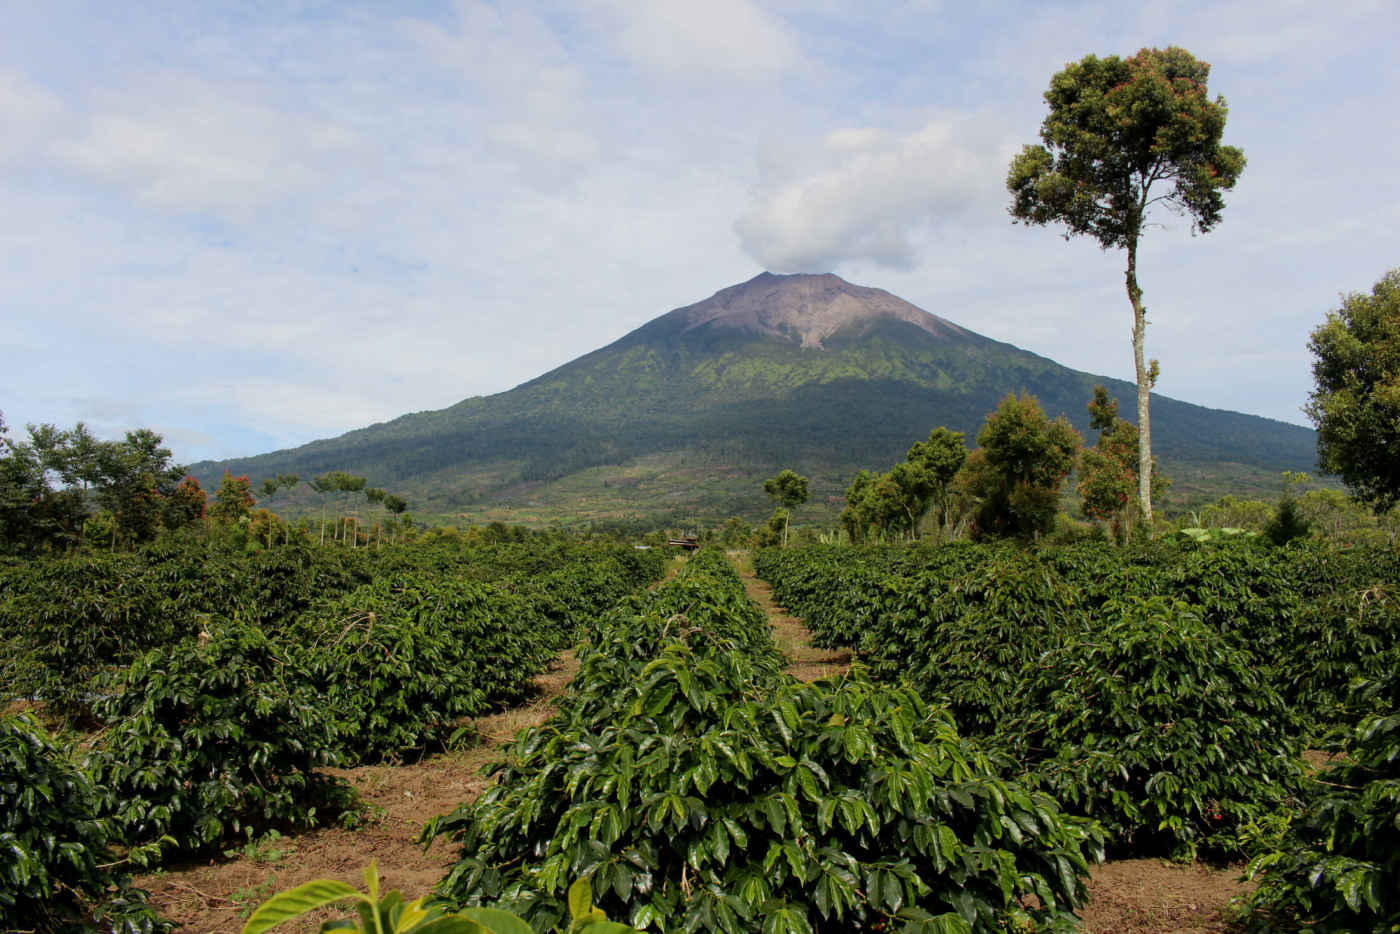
[(215, 896), (806, 663), (1149, 896)]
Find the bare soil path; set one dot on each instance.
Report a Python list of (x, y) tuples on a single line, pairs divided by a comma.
[(1129, 896), (215, 896), (805, 662)]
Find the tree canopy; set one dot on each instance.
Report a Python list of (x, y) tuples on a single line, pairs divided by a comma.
[(787, 489), (1356, 403), (1017, 471), (49, 483), (1124, 135), (896, 502)]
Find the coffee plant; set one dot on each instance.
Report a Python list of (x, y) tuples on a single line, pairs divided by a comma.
[(56, 865), (1339, 869), (1157, 725), (64, 621), (697, 787), (1164, 689), (401, 660), (215, 734)]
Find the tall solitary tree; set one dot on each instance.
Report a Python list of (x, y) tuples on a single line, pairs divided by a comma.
[(1124, 136), (396, 505)]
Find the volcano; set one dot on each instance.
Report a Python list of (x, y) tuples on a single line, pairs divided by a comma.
[(805, 371)]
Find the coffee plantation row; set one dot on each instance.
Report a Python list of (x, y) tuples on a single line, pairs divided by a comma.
[(1166, 691), (1015, 714), (214, 687), (701, 788)]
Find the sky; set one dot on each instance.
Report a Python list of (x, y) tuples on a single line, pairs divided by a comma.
[(250, 224)]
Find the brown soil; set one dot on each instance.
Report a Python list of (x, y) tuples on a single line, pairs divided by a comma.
[(1130, 896), (1149, 896), (216, 895), (805, 663)]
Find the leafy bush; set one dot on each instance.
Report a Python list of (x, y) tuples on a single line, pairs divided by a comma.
[(1313, 617), (68, 620), (213, 734), (1346, 631), (968, 641), (698, 787), (64, 621), (399, 660), (55, 864), (1163, 689), (1156, 724), (1339, 871)]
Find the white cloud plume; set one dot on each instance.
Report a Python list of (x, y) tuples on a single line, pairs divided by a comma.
[(859, 193), (178, 142)]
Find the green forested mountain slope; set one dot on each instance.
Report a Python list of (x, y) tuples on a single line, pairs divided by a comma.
[(803, 370)]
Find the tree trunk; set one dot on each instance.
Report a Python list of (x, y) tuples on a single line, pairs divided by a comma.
[(1144, 388), (323, 520)]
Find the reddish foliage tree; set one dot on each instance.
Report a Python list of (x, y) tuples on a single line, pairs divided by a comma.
[(233, 500)]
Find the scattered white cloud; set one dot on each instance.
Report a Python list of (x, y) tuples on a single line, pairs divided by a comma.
[(181, 143), (857, 194), (733, 40), (30, 115), (525, 93), (436, 207)]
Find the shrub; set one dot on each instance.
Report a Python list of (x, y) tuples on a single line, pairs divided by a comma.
[(55, 865), (69, 620), (215, 733), (1158, 726), (968, 641), (1339, 870), (399, 660), (1341, 635)]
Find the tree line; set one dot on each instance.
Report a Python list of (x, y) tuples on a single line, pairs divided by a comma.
[(64, 490), (1008, 487)]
